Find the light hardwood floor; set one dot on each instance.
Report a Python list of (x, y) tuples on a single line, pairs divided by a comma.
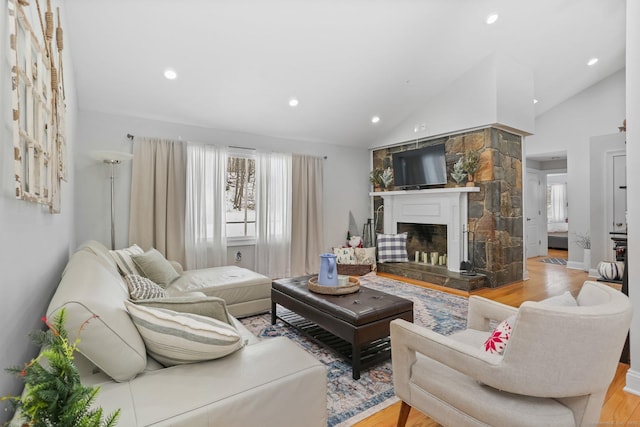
[(545, 280)]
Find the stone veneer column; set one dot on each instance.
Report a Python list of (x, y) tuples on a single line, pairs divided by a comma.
[(495, 213)]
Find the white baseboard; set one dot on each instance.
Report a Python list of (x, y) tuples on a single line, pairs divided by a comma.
[(575, 265), (633, 382)]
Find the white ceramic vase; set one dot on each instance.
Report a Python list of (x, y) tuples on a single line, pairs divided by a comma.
[(587, 260)]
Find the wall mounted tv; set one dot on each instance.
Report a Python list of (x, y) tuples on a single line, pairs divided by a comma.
[(421, 167)]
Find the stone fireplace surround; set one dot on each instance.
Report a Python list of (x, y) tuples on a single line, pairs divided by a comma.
[(446, 206), (495, 211)]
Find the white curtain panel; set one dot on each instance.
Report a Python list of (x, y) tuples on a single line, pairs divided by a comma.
[(205, 222), (273, 216), (156, 217), (558, 203)]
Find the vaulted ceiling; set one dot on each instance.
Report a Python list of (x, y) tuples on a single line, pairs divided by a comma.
[(240, 62)]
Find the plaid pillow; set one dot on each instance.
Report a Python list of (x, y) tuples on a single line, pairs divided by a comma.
[(392, 248)]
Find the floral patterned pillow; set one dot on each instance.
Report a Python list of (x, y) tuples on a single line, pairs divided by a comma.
[(498, 339), (365, 256), (344, 255)]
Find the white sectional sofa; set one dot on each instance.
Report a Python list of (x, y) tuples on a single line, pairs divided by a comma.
[(267, 383)]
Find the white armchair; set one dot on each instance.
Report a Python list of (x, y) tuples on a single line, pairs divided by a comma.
[(555, 369)]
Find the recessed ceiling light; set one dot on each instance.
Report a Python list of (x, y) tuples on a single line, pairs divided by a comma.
[(592, 62), (535, 101), (170, 74), (375, 119), (293, 102), (491, 19)]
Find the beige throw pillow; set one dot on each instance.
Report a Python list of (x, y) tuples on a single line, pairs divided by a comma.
[(203, 306), (365, 255), (122, 257), (174, 338), (153, 265)]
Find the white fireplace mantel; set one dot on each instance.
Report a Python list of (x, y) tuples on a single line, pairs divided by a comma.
[(445, 206)]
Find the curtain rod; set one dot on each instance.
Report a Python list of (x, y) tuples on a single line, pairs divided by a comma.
[(130, 137)]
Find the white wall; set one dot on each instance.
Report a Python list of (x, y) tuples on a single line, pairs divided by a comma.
[(346, 175), (598, 110), (35, 244), (496, 91), (633, 183)]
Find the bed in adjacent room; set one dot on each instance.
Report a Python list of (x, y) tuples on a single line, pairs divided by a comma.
[(558, 235)]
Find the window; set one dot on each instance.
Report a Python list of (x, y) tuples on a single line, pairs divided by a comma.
[(240, 196), (557, 202)]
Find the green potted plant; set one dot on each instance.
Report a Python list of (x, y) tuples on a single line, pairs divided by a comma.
[(53, 394), (471, 164), (375, 177)]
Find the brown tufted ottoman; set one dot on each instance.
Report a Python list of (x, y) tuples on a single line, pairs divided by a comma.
[(355, 325)]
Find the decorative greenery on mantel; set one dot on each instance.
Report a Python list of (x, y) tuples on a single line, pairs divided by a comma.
[(471, 164), (382, 178)]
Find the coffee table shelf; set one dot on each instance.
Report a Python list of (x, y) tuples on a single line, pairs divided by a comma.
[(370, 354)]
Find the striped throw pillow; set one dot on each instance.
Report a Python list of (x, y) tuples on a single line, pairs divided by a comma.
[(143, 288), (174, 338), (392, 248), (122, 257)]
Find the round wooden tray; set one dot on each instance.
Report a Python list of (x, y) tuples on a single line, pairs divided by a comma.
[(352, 287)]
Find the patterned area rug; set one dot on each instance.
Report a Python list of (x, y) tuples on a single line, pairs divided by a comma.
[(352, 400), (558, 261)]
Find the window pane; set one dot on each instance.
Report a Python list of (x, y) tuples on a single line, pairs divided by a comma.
[(240, 190), (251, 229), (235, 230)]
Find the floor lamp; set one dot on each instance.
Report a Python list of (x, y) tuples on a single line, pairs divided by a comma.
[(112, 158)]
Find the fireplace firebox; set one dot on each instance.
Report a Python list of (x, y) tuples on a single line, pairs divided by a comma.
[(424, 238)]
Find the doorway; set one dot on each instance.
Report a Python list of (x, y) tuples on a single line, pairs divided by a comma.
[(546, 200), (557, 212)]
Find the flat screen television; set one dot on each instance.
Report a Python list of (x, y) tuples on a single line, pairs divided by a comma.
[(421, 167)]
